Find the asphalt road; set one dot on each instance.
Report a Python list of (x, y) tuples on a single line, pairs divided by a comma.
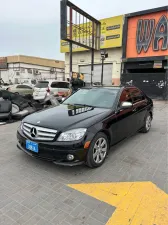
[(36, 192)]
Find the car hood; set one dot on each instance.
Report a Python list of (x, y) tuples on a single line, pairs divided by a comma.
[(65, 117)]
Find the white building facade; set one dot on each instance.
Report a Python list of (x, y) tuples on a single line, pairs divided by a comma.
[(111, 68), (26, 69)]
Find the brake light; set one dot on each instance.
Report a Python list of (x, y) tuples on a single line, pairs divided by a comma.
[(60, 93), (48, 90)]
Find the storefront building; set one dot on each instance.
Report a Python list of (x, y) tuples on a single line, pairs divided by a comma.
[(111, 41), (145, 51)]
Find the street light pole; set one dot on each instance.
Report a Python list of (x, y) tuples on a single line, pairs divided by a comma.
[(102, 71), (104, 55)]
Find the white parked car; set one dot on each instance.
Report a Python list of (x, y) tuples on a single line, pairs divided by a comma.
[(46, 87)]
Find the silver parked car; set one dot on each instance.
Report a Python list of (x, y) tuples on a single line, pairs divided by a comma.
[(21, 89)]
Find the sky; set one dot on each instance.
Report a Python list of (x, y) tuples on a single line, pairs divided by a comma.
[(32, 27)]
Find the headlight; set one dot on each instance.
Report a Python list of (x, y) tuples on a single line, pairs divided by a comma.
[(72, 135)]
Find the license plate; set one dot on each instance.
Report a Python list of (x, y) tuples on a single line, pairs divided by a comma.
[(32, 146)]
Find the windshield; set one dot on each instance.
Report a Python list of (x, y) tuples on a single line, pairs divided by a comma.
[(103, 98), (42, 84), (60, 85)]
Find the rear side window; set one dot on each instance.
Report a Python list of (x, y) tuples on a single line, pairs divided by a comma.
[(125, 96), (20, 86), (136, 95), (42, 84), (23, 86), (27, 87), (60, 85)]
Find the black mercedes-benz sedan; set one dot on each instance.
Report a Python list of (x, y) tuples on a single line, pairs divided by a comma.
[(84, 127)]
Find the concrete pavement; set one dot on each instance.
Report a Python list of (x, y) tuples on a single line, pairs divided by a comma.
[(36, 192)]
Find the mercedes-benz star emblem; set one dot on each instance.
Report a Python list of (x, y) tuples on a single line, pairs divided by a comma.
[(33, 132)]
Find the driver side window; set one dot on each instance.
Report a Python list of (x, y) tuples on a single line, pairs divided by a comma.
[(125, 96)]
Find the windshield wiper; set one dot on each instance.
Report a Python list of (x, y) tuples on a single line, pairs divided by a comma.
[(85, 105)]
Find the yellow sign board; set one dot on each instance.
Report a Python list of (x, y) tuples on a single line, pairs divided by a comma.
[(111, 35), (137, 203)]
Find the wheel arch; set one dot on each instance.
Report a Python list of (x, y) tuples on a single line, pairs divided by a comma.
[(106, 132), (151, 114)]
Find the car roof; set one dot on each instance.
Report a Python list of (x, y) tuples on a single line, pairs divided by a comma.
[(15, 85), (52, 81), (23, 84)]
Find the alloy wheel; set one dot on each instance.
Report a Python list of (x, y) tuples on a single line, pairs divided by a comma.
[(148, 122), (100, 150)]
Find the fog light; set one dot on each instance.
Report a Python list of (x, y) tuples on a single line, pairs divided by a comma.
[(70, 157)]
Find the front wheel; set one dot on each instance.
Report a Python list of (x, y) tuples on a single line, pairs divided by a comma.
[(98, 151), (147, 124)]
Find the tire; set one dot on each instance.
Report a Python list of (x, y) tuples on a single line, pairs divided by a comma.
[(96, 160), (147, 124)]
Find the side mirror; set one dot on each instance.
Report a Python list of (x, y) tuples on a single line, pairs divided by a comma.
[(126, 105)]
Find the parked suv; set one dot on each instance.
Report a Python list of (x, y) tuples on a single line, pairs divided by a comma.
[(42, 88)]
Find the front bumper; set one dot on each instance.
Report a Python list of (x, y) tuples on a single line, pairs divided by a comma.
[(54, 152)]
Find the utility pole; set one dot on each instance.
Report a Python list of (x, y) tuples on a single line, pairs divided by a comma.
[(104, 55)]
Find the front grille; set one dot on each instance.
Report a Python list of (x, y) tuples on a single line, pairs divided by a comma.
[(38, 133)]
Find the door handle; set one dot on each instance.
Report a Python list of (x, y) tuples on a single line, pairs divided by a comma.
[(134, 110)]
